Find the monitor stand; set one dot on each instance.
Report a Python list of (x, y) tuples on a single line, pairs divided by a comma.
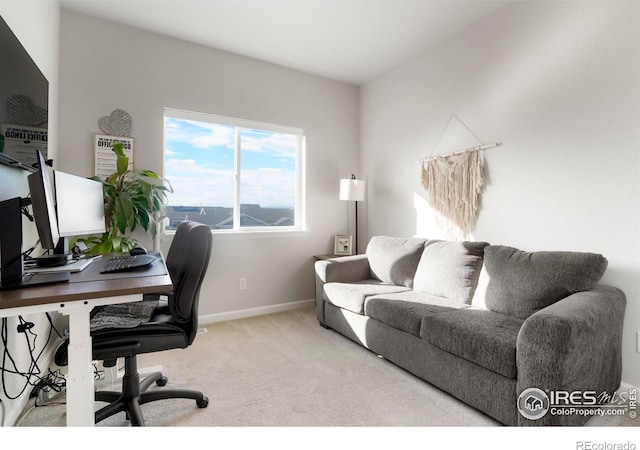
[(12, 274), (55, 260)]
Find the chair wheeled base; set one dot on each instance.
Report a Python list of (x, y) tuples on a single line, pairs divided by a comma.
[(134, 393)]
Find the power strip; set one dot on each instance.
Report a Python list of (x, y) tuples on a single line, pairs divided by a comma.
[(48, 396)]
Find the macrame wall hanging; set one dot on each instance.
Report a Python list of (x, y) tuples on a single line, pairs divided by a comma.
[(454, 182)]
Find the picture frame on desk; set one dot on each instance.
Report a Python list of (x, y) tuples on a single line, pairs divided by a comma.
[(343, 245)]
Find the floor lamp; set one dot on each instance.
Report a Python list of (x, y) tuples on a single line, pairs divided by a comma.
[(353, 190)]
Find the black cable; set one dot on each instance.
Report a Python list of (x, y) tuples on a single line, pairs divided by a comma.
[(29, 216), (6, 354), (34, 370), (25, 254), (52, 381), (53, 326), (26, 213)]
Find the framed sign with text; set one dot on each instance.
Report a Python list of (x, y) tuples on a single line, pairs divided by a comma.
[(21, 142), (105, 158)]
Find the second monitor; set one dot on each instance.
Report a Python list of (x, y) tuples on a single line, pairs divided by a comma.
[(64, 206)]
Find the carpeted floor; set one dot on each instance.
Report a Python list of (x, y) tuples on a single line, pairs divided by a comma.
[(284, 370)]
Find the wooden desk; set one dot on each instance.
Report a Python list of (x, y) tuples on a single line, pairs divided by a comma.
[(76, 299)]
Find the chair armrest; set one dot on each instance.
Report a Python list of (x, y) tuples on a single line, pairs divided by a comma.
[(344, 269), (572, 345)]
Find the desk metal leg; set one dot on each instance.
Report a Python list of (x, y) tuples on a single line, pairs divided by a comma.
[(80, 386), (80, 379)]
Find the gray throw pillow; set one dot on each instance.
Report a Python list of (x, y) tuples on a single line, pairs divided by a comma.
[(449, 269), (521, 283), (393, 260)]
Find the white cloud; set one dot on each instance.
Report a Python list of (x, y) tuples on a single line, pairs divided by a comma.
[(276, 144), (268, 187), (217, 136), (198, 134), (195, 185)]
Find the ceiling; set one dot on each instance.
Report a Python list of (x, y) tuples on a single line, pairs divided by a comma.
[(348, 40)]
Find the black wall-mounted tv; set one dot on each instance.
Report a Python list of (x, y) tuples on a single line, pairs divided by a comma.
[(24, 98)]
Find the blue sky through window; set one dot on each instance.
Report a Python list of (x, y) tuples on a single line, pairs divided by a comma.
[(200, 159)]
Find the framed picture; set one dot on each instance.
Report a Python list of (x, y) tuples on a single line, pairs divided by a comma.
[(343, 245), (20, 142), (105, 159)]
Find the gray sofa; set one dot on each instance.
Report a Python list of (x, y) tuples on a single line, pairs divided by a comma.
[(494, 326)]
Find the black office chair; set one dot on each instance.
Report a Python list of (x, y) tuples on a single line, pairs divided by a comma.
[(174, 324)]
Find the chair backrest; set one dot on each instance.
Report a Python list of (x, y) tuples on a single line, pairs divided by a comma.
[(187, 262)]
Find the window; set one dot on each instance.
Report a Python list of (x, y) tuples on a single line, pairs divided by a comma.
[(233, 174)]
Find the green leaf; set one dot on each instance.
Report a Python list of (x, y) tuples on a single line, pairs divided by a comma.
[(122, 164), (116, 244), (127, 244), (149, 174), (144, 219), (112, 179), (105, 247), (157, 204), (147, 192), (123, 212), (118, 148)]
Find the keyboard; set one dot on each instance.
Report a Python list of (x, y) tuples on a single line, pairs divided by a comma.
[(126, 262)]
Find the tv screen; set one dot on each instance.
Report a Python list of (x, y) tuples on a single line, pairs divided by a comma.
[(24, 95)]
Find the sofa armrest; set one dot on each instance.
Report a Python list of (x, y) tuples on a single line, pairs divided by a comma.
[(345, 269), (572, 345)]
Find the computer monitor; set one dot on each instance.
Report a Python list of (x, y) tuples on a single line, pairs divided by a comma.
[(64, 205), (79, 205), (41, 187), (43, 203)]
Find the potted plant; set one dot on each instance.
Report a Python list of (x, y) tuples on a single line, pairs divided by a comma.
[(132, 199)]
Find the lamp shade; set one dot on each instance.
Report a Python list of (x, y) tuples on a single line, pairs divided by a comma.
[(352, 189)]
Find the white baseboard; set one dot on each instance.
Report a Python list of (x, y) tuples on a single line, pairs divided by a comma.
[(252, 312)]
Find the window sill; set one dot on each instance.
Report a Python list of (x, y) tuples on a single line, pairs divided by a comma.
[(248, 234)]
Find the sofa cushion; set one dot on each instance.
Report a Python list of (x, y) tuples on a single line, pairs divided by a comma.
[(449, 269), (482, 337), (521, 283), (394, 260), (351, 296), (404, 310)]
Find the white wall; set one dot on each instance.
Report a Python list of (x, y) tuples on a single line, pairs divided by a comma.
[(105, 66), (559, 84), (36, 26)]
